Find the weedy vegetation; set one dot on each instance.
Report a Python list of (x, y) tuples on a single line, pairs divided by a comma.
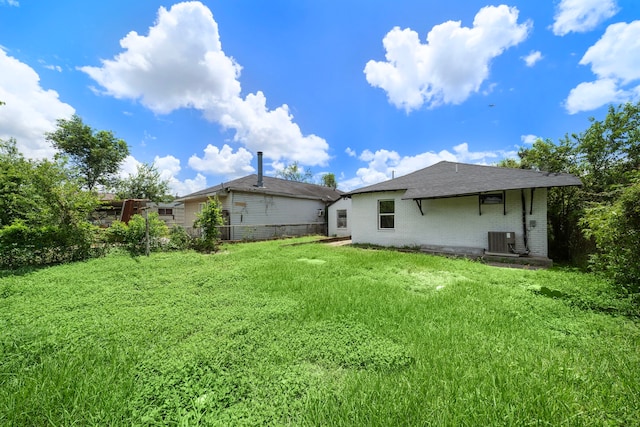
[(272, 333)]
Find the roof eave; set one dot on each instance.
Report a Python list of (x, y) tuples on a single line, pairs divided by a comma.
[(475, 193)]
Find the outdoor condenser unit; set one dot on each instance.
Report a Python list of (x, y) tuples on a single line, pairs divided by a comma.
[(502, 242)]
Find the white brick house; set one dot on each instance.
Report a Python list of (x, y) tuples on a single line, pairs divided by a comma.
[(452, 207)]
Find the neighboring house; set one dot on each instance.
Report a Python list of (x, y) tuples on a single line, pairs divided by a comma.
[(172, 213), (458, 208), (258, 207), (339, 218), (113, 209)]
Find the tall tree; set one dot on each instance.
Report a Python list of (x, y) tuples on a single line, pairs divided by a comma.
[(606, 157), (95, 155), (145, 184), (43, 211), (565, 204), (615, 228), (294, 172), (329, 180)]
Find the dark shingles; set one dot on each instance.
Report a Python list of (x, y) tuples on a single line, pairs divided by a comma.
[(271, 186), (449, 179)]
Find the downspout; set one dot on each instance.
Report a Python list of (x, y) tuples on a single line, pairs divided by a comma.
[(524, 223)]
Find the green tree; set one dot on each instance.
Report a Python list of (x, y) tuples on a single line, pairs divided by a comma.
[(615, 228), (95, 156), (329, 180), (565, 206), (145, 184), (609, 152), (43, 212), (17, 191), (294, 172), (606, 156), (208, 220)]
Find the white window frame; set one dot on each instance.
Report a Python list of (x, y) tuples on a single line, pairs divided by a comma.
[(341, 222), (382, 215)]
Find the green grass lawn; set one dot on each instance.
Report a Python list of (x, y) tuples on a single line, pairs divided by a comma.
[(278, 334)]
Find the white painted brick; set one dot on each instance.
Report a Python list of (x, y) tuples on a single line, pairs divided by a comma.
[(452, 221)]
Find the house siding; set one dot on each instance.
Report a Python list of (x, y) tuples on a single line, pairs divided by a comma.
[(450, 221), (176, 218), (248, 209), (191, 209), (260, 209), (257, 209), (332, 217)]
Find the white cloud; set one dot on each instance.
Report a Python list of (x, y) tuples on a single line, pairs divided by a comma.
[(10, 2), (53, 67), (181, 64), (451, 65), (128, 167), (350, 152), (617, 53), (30, 110), (532, 58), (615, 60), (591, 95), (582, 15), (383, 164), (223, 161), (529, 139), (169, 168)]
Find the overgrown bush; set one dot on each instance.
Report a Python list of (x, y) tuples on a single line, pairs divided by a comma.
[(132, 236), (179, 239), (615, 229), (43, 212), (22, 245), (208, 220)]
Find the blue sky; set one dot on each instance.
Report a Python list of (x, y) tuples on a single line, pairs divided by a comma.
[(362, 89)]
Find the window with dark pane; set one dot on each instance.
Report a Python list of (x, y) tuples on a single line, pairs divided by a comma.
[(386, 213)]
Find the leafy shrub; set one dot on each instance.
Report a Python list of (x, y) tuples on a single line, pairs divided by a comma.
[(179, 239), (615, 229), (133, 235), (23, 245), (209, 219)]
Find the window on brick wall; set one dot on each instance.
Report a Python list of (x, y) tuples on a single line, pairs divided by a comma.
[(386, 214)]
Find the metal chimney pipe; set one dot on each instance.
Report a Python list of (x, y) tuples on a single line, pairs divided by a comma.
[(260, 183)]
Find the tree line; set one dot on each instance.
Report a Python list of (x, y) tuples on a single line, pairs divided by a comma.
[(598, 224), (45, 205)]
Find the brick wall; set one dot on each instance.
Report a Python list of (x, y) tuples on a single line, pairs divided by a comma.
[(452, 221)]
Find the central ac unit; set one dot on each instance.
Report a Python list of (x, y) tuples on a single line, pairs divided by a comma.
[(502, 242)]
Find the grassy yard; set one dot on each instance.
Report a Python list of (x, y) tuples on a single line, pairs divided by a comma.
[(277, 334)]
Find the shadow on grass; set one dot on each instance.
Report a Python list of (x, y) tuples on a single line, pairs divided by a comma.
[(630, 305), (22, 271)]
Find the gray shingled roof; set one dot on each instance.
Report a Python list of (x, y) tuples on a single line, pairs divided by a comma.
[(271, 186), (449, 179)]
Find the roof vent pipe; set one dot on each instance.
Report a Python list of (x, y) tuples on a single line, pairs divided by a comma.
[(260, 183)]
